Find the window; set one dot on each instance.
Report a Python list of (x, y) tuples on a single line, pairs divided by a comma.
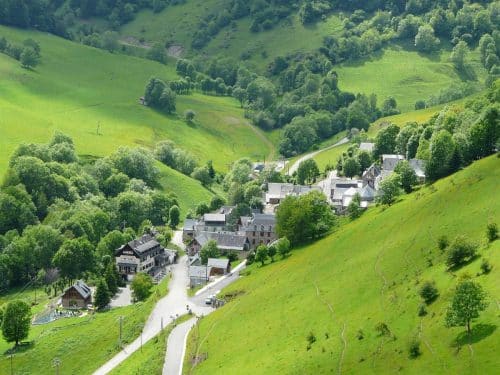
[(254, 234), (268, 234), (253, 241)]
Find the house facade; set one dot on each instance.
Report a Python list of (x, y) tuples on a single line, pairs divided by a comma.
[(258, 229), (77, 296), (226, 241), (140, 255)]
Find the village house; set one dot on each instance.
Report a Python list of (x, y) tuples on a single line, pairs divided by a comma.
[(226, 241), (77, 296), (258, 229), (418, 167), (144, 254), (338, 187), (189, 229), (276, 192)]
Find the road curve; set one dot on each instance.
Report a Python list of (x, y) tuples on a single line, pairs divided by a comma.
[(293, 168)]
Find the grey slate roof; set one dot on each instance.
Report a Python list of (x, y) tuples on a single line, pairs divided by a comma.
[(218, 218), (189, 224), (366, 146), (144, 243), (82, 289), (218, 263), (367, 193), (225, 240), (389, 162)]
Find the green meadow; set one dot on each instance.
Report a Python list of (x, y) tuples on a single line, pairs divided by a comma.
[(81, 343), (80, 90), (367, 272)]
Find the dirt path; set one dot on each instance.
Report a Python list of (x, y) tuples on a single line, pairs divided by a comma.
[(295, 166), (341, 360)]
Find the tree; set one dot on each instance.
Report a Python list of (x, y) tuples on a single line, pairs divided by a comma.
[(261, 254), (385, 142), (209, 250), (425, 40), (364, 159), (102, 295), (389, 189), (110, 41), (469, 300), (174, 216), (440, 154), (216, 202), (351, 167), (167, 100), (389, 107), (111, 277), (484, 134), (283, 247), (141, 286), (304, 218), (307, 172), (271, 251), (16, 321), (492, 232), (460, 251), (407, 175), (202, 174), (459, 55), (189, 115), (428, 292), (74, 257), (354, 209), (29, 58)]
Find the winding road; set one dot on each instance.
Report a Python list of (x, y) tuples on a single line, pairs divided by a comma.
[(293, 168), (172, 305)]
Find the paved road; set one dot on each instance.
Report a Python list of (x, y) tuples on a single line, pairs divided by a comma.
[(171, 305), (293, 168), (176, 344)]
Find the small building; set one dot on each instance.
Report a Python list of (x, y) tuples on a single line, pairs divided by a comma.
[(140, 255), (225, 241), (258, 229), (389, 162), (218, 266), (370, 175), (77, 296), (366, 146), (198, 275)]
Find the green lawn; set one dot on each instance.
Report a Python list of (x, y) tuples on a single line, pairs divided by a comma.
[(368, 272), (403, 74), (76, 88), (329, 157), (82, 344), (189, 192)]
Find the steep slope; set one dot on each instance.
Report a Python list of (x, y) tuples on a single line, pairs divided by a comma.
[(368, 272), (76, 88)]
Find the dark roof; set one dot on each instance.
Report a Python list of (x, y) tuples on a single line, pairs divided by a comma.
[(225, 240), (82, 289), (143, 244), (189, 224)]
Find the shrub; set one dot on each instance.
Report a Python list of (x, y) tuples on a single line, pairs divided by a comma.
[(420, 104), (443, 242), (422, 310), (311, 338), (428, 292), (383, 329), (460, 251), (414, 348), (492, 231), (485, 266)]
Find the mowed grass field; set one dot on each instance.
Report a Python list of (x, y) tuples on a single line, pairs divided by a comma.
[(76, 88), (368, 272), (82, 344), (404, 74)]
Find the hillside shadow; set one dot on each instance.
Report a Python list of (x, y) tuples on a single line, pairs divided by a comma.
[(479, 332), (466, 74), (21, 348), (461, 265)]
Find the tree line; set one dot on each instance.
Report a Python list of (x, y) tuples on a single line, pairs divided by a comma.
[(28, 54)]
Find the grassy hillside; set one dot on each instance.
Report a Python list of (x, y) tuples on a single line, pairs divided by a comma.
[(403, 74), (67, 339), (368, 272), (75, 88)]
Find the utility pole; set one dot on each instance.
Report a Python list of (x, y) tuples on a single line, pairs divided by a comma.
[(121, 327)]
